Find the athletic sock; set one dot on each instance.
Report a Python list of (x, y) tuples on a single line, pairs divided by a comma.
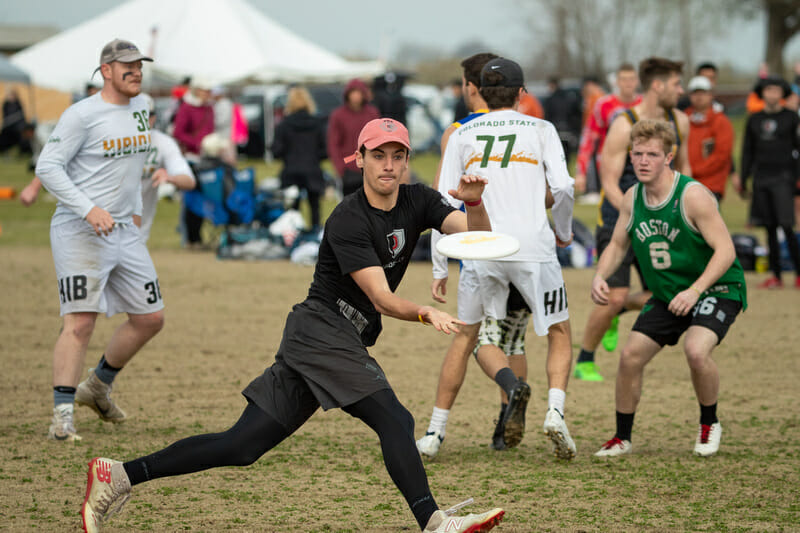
[(708, 414), (62, 395), (105, 372), (624, 425), (555, 399), (585, 356), (507, 380), (439, 421)]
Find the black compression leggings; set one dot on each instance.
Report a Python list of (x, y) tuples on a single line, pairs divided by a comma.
[(775, 250), (256, 432)]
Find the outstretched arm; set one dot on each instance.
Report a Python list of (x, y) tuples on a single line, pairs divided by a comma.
[(372, 280)]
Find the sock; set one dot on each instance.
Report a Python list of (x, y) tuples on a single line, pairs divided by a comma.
[(62, 395), (708, 414), (105, 372), (439, 421), (585, 356), (555, 399), (624, 425), (506, 379)]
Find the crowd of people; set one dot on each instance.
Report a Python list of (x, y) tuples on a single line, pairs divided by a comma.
[(660, 172)]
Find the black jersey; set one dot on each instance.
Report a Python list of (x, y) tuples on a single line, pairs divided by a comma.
[(358, 235), (770, 145)]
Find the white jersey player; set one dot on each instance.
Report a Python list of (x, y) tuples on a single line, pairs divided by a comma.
[(92, 163), (164, 165), (520, 156)]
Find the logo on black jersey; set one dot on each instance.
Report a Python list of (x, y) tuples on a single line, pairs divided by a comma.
[(397, 241)]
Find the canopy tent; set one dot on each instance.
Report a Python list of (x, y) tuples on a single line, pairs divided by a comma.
[(224, 42), (10, 72)]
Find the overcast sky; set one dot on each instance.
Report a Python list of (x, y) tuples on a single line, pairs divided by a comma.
[(356, 27)]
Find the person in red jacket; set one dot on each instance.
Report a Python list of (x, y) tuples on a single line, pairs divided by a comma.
[(710, 138), (344, 125)]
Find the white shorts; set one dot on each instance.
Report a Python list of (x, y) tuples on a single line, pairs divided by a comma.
[(483, 291), (104, 274)]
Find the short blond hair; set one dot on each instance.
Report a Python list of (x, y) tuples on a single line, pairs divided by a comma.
[(298, 99), (648, 129)]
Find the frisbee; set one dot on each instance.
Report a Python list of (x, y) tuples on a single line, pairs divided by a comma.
[(477, 245)]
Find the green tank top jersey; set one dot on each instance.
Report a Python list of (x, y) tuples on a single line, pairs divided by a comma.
[(672, 253)]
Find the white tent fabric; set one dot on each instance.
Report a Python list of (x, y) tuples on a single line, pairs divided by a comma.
[(224, 42)]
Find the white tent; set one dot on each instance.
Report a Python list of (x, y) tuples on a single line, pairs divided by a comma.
[(222, 41)]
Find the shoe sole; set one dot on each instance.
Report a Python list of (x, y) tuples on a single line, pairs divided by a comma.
[(561, 449), (486, 525), (581, 377), (514, 422), (94, 407)]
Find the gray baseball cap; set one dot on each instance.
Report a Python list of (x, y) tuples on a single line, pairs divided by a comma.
[(122, 51)]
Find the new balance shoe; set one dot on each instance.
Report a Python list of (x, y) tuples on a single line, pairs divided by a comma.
[(107, 490), (708, 438), (440, 522), (611, 336), (587, 371), (614, 448), (555, 428), (429, 444), (498, 442), (514, 418), (62, 428), (96, 395)]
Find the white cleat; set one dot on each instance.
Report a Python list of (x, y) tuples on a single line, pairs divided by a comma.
[(708, 437), (440, 522), (614, 448), (107, 490), (96, 395), (62, 427), (555, 428), (429, 444)]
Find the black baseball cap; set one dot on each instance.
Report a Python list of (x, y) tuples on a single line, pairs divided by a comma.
[(510, 71)]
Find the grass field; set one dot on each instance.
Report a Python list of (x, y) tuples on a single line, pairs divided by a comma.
[(224, 323)]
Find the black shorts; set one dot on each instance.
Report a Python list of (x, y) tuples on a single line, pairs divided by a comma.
[(773, 202), (622, 276), (665, 328), (321, 362)]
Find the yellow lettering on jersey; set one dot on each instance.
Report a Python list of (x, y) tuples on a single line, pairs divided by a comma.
[(126, 145)]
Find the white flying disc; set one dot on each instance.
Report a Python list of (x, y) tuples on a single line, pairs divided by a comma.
[(477, 245)]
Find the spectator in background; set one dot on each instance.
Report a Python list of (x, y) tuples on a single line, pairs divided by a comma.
[(389, 99), (594, 131), (769, 154), (530, 105), (460, 109), (13, 123), (300, 144), (344, 125), (591, 92), (194, 118), (710, 138), (563, 109)]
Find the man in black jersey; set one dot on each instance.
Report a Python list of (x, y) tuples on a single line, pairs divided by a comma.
[(323, 359), (769, 150)]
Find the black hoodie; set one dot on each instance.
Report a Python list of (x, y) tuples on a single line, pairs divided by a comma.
[(300, 143)]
